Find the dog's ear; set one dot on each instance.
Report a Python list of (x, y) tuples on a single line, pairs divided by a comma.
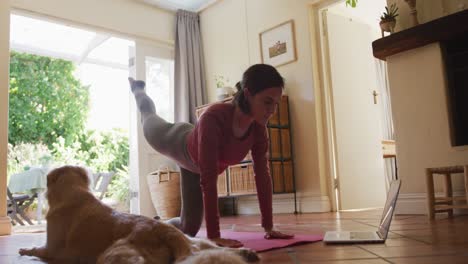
[(52, 177), (84, 175)]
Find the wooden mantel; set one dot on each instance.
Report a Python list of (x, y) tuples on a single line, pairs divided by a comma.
[(441, 29)]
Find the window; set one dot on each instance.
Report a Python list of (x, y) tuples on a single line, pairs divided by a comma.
[(160, 86)]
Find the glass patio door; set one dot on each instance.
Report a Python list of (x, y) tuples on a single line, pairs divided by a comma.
[(154, 65)]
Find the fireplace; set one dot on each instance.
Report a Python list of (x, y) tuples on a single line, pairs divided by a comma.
[(455, 54), (452, 34)]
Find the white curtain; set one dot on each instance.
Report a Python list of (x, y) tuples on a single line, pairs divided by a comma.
[(387, 121), (189, 74)]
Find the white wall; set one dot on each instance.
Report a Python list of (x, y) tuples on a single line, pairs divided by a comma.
[(225, 43), (5, 226), (420, 111), (230, 32)]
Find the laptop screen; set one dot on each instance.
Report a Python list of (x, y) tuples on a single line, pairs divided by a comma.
[(389, 208)]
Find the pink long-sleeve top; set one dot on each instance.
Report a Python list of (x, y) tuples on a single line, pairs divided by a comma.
[(213, 147)]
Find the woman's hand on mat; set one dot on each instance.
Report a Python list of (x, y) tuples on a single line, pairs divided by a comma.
[(225, 242), (272, 234)]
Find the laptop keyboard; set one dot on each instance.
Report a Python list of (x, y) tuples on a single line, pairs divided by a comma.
[(362, 235)]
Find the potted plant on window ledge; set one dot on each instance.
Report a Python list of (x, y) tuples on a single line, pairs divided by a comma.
[(388, 19)]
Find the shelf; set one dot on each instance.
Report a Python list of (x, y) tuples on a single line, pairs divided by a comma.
[(438, 30)]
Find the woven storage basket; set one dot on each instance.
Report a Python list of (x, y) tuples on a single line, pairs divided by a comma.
[(164, 187), (222, 184), (242, 179)]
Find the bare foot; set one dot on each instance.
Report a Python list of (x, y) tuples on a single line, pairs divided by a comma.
[(224, 242), (277, 235)]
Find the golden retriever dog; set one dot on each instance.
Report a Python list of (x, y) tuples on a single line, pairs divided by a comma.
[(81, 229)]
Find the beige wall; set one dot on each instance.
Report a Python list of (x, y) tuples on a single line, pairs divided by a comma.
[(125, 17), (225, 43), (427, 10), (5, 226), (230, 31), (419, 103)]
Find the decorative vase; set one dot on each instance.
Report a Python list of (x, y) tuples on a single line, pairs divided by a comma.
[(413, 12), (387, 26), (223, 92)]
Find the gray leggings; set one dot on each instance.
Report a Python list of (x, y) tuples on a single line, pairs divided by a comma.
[(170, 140)]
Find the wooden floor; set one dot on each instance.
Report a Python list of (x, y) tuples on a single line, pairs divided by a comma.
[(412, 239)]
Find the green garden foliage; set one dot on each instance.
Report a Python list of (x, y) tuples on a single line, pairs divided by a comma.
[(101, 151), (48, 109), (46, 100)]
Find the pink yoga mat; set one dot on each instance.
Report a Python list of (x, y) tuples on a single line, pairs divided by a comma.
[(256, 241)]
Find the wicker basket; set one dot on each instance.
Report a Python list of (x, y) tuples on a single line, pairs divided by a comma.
[(164, 187), (222, 185), (242, 179)]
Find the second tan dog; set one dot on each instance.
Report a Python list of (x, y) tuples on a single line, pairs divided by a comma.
[(81, 229)]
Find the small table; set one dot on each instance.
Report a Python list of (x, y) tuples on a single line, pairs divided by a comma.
[(31, 181), (389, 151)]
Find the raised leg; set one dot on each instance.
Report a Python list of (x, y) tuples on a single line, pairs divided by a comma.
[(165, 137)]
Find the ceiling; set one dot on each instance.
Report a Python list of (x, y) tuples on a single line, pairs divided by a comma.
[(173, 5)]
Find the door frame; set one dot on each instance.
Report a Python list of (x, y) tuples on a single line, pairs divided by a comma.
[(325, 114), (324, 100), (140, 199)]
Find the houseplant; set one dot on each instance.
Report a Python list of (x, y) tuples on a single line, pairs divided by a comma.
[(388, 18), (351, 3), (222, 89)]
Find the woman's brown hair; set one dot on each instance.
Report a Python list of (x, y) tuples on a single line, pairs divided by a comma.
[(256, 78)]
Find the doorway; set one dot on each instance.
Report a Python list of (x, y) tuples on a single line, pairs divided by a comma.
[(351, 102), (104, 60), (154, 65), (69, 91)]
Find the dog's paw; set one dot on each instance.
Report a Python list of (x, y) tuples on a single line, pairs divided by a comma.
[(248, 255), (26, 251)]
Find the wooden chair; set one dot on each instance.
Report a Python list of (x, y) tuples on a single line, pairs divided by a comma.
[(446, 203), (101, 183), (16, 206)]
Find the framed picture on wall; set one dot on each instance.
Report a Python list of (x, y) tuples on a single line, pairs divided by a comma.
[(278, 44)]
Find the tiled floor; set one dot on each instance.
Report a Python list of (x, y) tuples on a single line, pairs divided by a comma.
[(412, 239)]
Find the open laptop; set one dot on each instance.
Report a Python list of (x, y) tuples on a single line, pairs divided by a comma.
[(378, 236)]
